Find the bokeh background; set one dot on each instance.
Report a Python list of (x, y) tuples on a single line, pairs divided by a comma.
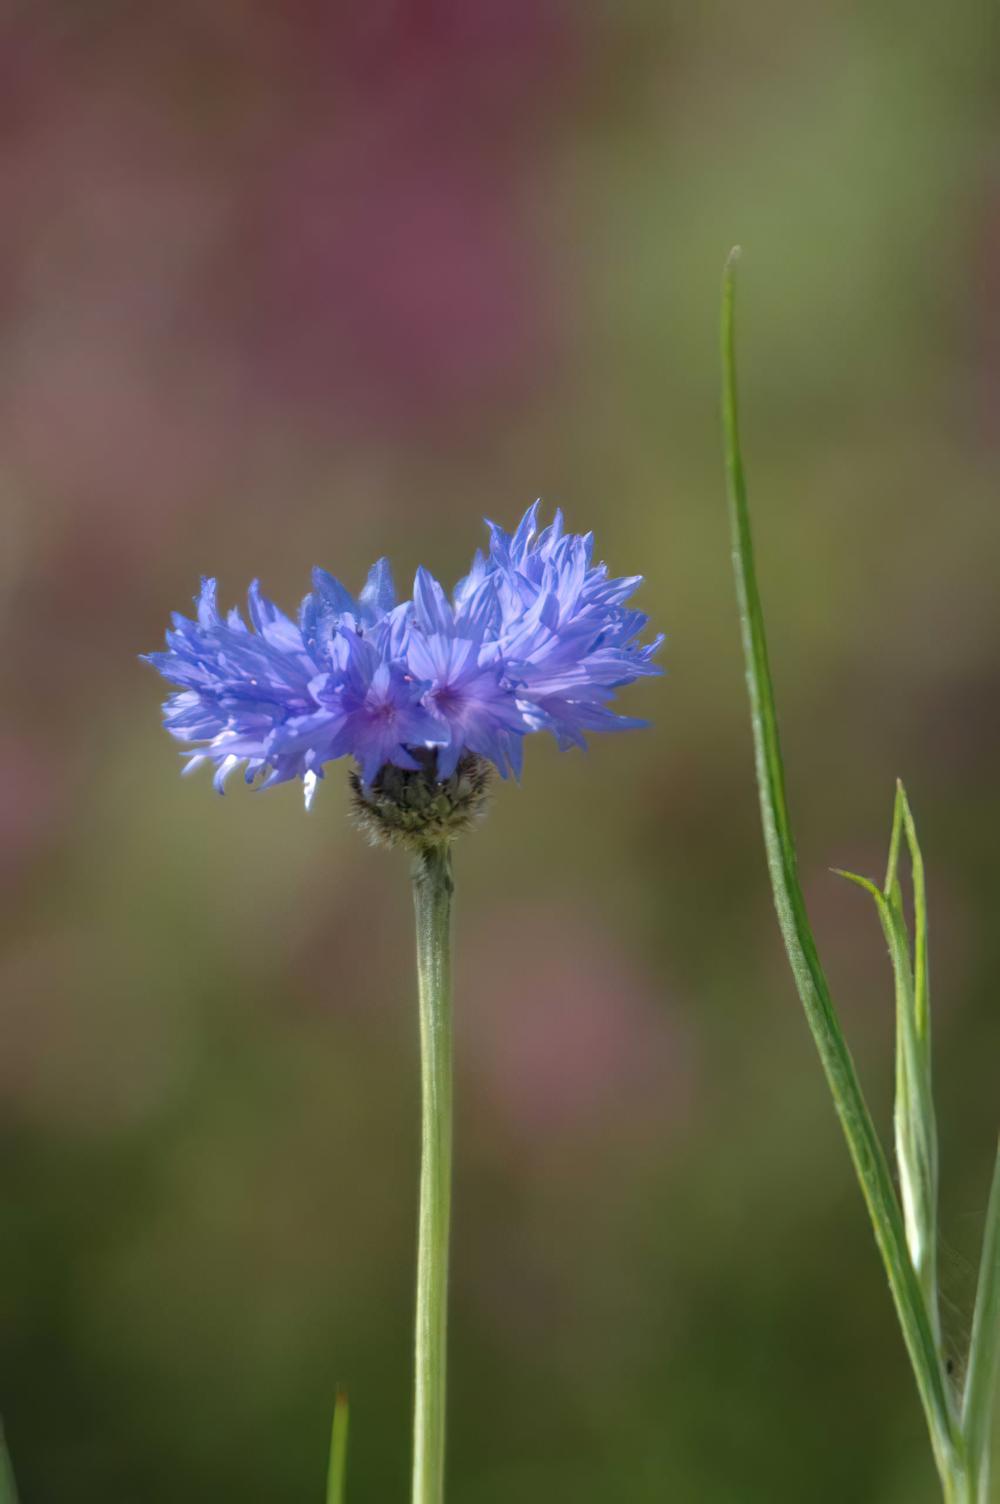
[(307, 282)]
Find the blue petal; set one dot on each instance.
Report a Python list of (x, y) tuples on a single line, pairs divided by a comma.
[(379, 593), (333, 594), (206, 601), (526, 529), (431, 608)]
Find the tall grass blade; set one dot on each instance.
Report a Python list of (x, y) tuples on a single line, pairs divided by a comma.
[(984, 1352), (862, 1140)]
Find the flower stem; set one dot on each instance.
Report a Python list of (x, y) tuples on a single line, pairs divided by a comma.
[(432, 890)]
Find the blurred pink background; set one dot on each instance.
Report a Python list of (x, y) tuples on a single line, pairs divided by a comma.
[(297, 284)]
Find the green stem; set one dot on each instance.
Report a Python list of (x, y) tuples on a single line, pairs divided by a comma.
[(959, 1487), (336, 1477), (432, 890), (8, 1488), (862, 1140), (984, 1349)]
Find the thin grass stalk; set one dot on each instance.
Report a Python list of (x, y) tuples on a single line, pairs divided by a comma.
[(863, 1143)]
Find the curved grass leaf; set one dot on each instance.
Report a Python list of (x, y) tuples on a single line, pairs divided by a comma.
[(862, 1140)]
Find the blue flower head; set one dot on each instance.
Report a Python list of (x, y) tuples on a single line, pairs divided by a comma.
[(423, 694)]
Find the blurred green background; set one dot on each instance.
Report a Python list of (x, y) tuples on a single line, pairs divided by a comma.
[(293, 283)]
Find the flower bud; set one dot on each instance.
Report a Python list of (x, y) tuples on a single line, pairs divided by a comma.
[(412, 808)]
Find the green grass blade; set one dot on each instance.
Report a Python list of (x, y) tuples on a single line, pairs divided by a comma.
[(862, 882), (921, 981), (337, 1474), (984, 1352), (915, 1126), (8, 1488), (862, 1140), (892, 866)]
